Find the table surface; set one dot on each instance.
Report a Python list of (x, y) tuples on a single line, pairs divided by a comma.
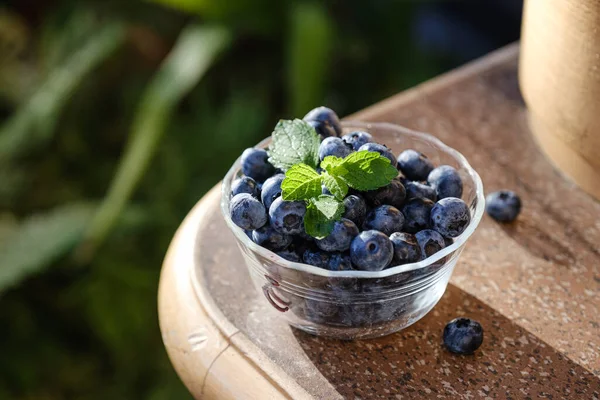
[(534, 284)]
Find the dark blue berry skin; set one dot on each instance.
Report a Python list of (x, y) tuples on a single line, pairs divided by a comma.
[(503, 206), (392, 194), (248, 233), (287, 217), (269, 238), (430, 242), (450, 217), (381, 149), (255, 164), (247, 212), (328, 120), (386, 219), (317, 258), (324, 190), (355, 209), (357, 138), (448, 241), (245, 184), (463, 336), (406, 248), (414, 165), (418, 190), (289, 255), (371, 251), (323, 129), (334, 146), (416, 214), (271, 189), (340, 238), (446, 182), (340, 262)]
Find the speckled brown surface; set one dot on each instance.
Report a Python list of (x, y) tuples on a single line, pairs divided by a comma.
[(534, 285)]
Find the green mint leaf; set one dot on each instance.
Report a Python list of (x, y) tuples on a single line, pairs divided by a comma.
[(301, 183), (294, 142), (366, 170), (329, 163), (321, 214), (336, 185)]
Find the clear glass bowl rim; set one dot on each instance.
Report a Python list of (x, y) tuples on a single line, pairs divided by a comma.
[(356, 125)]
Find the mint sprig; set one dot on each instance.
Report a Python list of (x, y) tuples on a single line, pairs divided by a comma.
[(321, 214), (294, 142), (301, 183)]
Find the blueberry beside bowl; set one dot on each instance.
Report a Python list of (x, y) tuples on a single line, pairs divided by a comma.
[(339, 300)]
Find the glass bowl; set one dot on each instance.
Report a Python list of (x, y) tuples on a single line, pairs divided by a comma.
[(360, 304)]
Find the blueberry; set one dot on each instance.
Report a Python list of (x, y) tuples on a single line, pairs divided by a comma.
[(328, 121), (355, 209), (414, 165), (247, 212), (450, 217), (386, 219), (245, 184), (463, 336), (340, 238), (334, 146), (271, 189), (289, 255), (357, 138), (317, 258), (446, 182), (381, 149), (371, 251), (406, 248), (248, 233), (320, 311), (269, 238), (255, 164), (448, 242), (323, 129), (392, 194), (419, 190), (430, 242), (416, 214), (340, 262), (503, 206), (326, 191), (287, 216)]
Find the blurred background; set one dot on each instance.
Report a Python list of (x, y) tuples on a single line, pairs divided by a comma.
[(116, 116)]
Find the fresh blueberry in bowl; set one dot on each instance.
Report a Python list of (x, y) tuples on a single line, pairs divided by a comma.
[(271, 189), (419, 190), (357, 138), (318, 258), (334, 146), (355, 209), (255, 164), (430, 242), (371, 251), (446, 181), (287, 216), (325, 121), (414, 165), (406, 248), (463, 336), (247, 212), (450, 217), (245, 184), (269, 238), (416, 214), (386, 219), (340, 237), (503, 206), (392, 194), (381, 149)]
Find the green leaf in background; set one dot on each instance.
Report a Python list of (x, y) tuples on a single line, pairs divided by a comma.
[(34, 122), (193, 54), (321, 214), (294, 142), (335, 185), (310, 53), (301, 183), (366, 170), (40, 240)]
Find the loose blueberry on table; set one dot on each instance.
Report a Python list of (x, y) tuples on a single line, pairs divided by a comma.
[(503, 206), (463, 336), (345, 202)]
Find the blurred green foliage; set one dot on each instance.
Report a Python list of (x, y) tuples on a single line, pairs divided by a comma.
[(116, 117)]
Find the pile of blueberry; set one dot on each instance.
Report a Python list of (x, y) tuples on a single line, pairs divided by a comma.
[(416, 215)]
